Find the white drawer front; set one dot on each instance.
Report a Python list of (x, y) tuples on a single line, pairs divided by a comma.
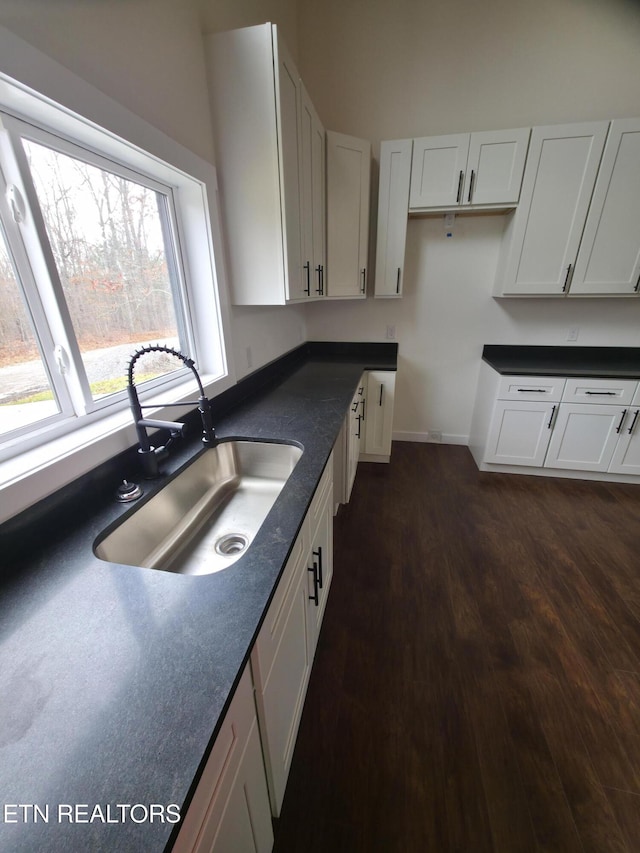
[(615, 391), (531, 388)]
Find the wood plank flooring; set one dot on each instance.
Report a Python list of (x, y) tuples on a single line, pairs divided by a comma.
[(477, 680)]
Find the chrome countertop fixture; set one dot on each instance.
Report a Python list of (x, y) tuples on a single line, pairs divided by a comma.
[(152, 456)]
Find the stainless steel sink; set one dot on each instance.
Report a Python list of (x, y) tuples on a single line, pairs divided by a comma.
[(206, 517)]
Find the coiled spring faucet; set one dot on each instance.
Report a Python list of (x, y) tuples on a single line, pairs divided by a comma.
[(152, 456)]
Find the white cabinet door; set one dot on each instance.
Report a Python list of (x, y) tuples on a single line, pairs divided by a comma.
[(393, 212), (288, 104), (348, 187), (379, 422), (256, 104), (520, 431), (468, 169), (356, 431), (437, 170), (245, 822), (281, 663), (495, 166), (230, 810), (541, 245), (312, 180), (584, 436), (626, 456), (609, 257), (321, 563)]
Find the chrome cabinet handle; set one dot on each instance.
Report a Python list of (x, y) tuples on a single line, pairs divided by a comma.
[(460, 179), (381, 390), (363, 273), (633, 422), (398, 281), (307, 269), (567, 278), (553, 411), (473, 175)]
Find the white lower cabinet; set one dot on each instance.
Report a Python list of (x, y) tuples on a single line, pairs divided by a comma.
[(626, 456), (378, 425), (244, 780), (522, 421), (584, 436), (347, 448), (356, 429), (230, 810), (283, 653), (520, 432), (320, 559), (573, 424), (367, 430)]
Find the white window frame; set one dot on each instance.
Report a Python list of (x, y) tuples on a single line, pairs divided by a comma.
[(39, 91)]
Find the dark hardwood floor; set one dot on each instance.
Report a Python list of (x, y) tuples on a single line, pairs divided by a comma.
[(476, 685)]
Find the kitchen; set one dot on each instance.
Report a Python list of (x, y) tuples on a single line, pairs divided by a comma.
[(509, 65)]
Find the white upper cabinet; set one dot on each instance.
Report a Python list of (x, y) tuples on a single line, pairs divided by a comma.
[(258, 118), (437, 170), (312, 179), (609, 258), (468, 169), (541, 241), (393, 208), (348, 186), (288, 110)]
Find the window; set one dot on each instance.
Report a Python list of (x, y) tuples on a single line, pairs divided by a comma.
[(77, 424), (90, 272), (91, 269)]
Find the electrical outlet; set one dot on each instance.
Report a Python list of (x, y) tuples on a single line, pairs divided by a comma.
[(434, 435), (391, 333), (572, 334), (449, 220)]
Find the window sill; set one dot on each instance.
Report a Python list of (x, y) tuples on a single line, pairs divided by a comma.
[(33, 475)]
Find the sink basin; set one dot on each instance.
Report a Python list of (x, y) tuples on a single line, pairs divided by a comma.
[(206, 517)]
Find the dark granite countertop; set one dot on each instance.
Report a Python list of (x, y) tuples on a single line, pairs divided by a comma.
[(605, 362), (115, 679)]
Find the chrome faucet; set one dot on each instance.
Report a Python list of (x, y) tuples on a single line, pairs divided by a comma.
[(151, 456)]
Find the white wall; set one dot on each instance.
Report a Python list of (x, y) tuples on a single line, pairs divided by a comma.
[(385, 69), (219, 15), (148, 55)]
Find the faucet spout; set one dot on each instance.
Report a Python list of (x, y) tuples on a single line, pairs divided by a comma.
[(149, 454)]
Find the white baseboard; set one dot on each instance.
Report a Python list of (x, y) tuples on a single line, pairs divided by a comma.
[(447, 438)]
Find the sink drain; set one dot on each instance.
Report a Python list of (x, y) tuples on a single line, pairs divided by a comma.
[(231, 545)]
